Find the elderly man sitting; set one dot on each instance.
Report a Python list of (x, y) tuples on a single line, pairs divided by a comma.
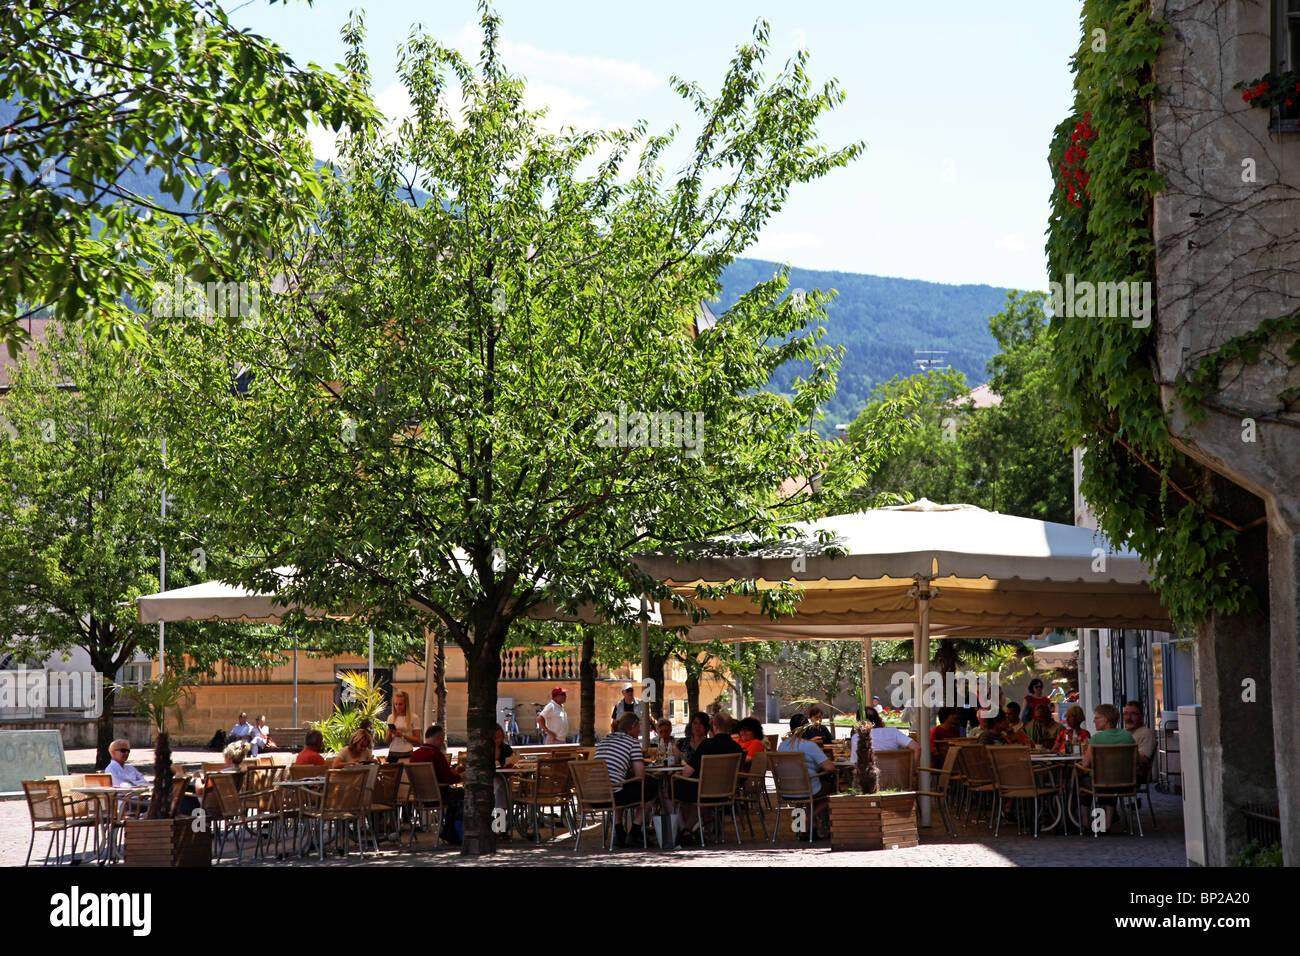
[(1043, 730)]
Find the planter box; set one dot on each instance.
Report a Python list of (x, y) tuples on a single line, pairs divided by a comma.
[(166, 843), (873, 822)]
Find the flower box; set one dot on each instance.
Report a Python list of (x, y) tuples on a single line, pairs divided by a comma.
[(166, 843), (873, 821)]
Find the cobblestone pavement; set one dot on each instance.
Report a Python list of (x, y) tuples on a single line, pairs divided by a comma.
[(974, 846)]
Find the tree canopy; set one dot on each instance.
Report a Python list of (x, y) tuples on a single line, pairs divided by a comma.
[(1010, 457), (480, 405), (102, 101)]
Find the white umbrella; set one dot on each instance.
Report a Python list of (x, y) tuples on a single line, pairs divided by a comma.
[(924, 565)]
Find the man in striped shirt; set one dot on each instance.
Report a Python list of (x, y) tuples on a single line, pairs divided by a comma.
[(621, 752)]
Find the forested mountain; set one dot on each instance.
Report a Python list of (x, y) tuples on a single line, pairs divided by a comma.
[(881, 322)]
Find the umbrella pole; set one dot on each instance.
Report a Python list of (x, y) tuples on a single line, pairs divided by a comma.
[(866, 672), (921, 660), (428, 677), (296, 725), (645, 672)]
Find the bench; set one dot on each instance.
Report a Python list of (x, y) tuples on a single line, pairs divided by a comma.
[(289, 738)]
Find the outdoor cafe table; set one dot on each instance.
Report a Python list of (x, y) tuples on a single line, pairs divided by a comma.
[(1059, 763), (665, 812), (110, 809)]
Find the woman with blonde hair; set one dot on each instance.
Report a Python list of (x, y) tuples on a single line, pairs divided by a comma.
[(358, 749), (403, 728)]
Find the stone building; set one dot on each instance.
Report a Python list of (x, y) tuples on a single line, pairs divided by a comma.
[(525, 687), (1227, 231)]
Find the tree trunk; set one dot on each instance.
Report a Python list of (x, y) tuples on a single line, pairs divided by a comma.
[(657, 662), (587, 679), (160, 803), (104, 723), (692, 695), (440, 679), (483, 668)]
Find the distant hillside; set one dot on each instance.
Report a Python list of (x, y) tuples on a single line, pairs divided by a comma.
[(881, 322)]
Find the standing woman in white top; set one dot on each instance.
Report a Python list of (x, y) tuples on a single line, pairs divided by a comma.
[(403, 728)]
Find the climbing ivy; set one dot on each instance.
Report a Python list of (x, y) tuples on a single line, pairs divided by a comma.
[(1134, 477)]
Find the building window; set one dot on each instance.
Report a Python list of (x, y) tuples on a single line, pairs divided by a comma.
[(1286, 35)]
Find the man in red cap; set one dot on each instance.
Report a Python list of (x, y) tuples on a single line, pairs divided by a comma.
[(553, 720)]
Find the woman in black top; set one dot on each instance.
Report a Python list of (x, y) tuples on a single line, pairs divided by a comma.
[(697, 731), (502, 749)]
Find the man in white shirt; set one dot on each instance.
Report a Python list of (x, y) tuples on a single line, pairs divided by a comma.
[(124, 775), (552, 719), (1143, 736), (243, 730)]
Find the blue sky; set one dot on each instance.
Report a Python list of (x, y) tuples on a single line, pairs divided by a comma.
[(956, 101)]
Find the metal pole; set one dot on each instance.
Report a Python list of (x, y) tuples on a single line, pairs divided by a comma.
[(645, 670), (429, 653), (296, 725), (162, 570), (370, 659), (921, 644), (866, 672)]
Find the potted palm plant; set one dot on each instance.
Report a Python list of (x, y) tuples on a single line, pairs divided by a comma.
[(161, 838), (864, 817), (363, 705)]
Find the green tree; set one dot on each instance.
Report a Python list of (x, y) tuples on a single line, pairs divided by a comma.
[(81, 478), (432, 425), (1016, 456), (927, 461), (819, 671), (104, 101), (1010, 457)]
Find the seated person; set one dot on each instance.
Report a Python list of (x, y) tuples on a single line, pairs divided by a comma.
[(123, 774), (1073, 730), (947, 728), (884, 738), (246, 732), (311, 751), (263, 730), (1043, 730), (817, 732), (665, 747), (1013, 716), (359, 749), (1143, 736), (434, 751), (621, 752), (697, 731), (817, 762), (751, 739), (994, 730), (1105, 718), (686, 785), (504, 755)]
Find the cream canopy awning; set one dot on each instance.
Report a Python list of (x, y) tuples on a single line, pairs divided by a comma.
[(981, 569)]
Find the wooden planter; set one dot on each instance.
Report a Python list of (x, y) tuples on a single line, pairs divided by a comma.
[(873, 822), (166, 843)]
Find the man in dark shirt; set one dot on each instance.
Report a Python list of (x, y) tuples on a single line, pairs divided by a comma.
[(687, 785), (822, 734), (434, 751)]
